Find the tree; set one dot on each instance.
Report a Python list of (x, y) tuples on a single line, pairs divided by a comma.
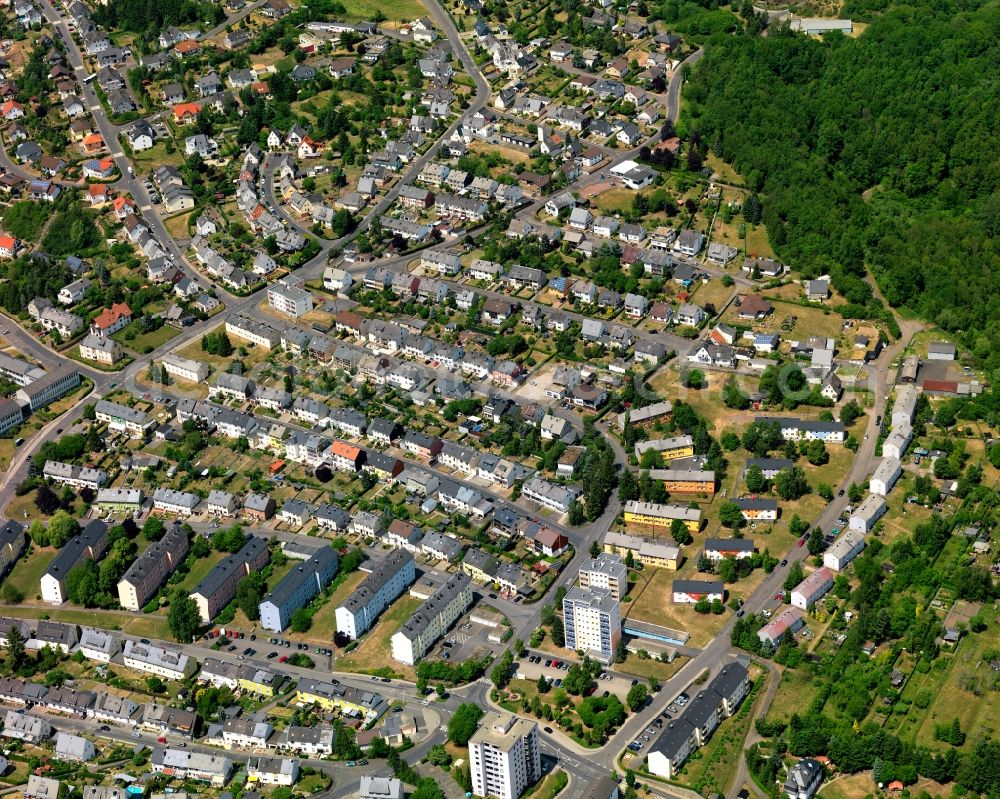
[(849, 412), (733, 397), (578, 680), (755, 480), (183, 619), (301, 620), (730, 515), (790, 484), (794, 576), (62, 527), (46, 500), (82, 584), (438, 756), (816, 542), (595, 549), (463, 723), (153, 528), (816, 454), (16, 653), (500, 675), (249, 593), (693, 378), (628, 488), (636, 696), (542, 685), (679, 532), (558, 633), (855, 492)]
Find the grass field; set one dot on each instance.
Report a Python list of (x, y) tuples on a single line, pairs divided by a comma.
[(795, 693), (198, 572), (648, 667), (375, 650), (177, 226), (149, 160), (29, 569), (151, 626), (392, 9), (7, 449), (324, 622), (713, 293), (614, 200), (722, 170), (858, 786), (154, 339), (654, 603), (253, 357), (965, 692)]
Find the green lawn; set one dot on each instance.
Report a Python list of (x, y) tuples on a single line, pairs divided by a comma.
[(198, 572), (795, 693), (375, 650), (648, 667), (392, 9), (149, 160), (28, 571), (324, 622), (6, 452), (151, 626), (154, 339)]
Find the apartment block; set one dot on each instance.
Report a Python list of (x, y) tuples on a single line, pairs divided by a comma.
[(606, 571), (592, 622), (504, 756), (152, 568), (393, 575), (297, 589), (432, 619), (219, 587)]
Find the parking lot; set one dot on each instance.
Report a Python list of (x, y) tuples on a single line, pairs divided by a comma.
[(467, 640), (529, 668), (650, 733), (262, 648)]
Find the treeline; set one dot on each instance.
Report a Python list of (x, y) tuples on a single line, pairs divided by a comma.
[(25, 278), (151, 16), (876, 150)]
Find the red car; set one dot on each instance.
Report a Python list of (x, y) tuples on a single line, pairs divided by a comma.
[(161, 740), (801, 541), (283, 659)]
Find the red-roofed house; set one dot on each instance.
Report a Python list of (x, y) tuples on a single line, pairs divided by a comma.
[(549, 542), (309, 148), (186, 112), (671, 145), (789, 621), (12, 110), (93, 143), (260, 88), (188, 47), (123, 206), (111, 320), (346, 457), (97, 194), (103, 168), (8, 246)]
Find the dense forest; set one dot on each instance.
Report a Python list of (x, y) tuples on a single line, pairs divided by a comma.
[(873, 152)]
